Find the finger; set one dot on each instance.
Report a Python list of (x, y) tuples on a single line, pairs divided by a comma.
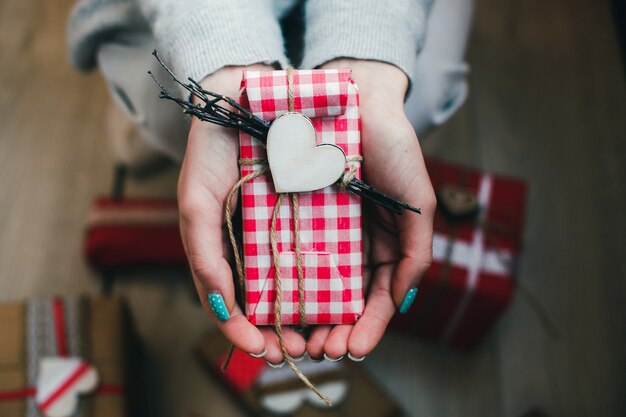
[(416, 258), (214, 283), (237, 329), (201, 231), (202, 239), (336, 346), (379, 310), (415, 237), (315, 344), (201, 194), (294, 344)]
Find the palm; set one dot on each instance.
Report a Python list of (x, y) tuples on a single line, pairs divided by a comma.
[(397, 249)]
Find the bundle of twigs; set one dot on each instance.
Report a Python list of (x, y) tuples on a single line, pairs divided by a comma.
[(211, 109)]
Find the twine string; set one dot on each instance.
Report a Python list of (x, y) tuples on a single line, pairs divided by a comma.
[(228, 213), (290, 92), (296, 221), (228, 210), (278, 327), (296, 240), (349, 175)]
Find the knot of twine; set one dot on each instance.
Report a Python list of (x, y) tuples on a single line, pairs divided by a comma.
[(349, 174), (241, 274)]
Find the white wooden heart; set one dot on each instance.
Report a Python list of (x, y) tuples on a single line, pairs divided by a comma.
[(296, 163), (59, 383)]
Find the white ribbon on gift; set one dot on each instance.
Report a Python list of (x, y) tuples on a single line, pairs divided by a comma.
[(41, 340), (472, 256)]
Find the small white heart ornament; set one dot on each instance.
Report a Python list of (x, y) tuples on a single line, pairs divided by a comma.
[(60, 381), (296, 163), (281, 392), (288, 402)]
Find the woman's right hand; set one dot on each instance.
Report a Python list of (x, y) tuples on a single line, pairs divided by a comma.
[(208, 173)]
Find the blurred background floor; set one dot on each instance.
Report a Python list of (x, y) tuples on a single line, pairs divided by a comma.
[(547, 103)]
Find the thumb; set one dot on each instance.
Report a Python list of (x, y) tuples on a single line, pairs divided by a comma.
[(416, 236)]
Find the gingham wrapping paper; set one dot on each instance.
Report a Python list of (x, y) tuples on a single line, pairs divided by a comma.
[(330, 220)]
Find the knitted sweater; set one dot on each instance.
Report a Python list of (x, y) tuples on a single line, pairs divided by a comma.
[(198, 37)]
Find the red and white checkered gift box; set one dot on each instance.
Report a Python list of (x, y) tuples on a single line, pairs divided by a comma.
[(330, 220)]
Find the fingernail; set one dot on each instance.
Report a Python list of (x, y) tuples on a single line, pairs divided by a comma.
[(408, 300), (354, 358), (299, 358), (258, 355), (328, 358), (216, 301), (316, 360), (275, 365)]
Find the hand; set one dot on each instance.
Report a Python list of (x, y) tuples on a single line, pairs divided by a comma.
[(397, 249), (208, 173)]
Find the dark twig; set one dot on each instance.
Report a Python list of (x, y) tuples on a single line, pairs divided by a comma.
[(367, 191), (211, 110)]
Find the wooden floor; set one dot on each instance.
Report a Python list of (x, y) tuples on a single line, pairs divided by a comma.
[(547, 103)]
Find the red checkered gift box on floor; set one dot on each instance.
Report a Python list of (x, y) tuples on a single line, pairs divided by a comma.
[(329, 219), (131, 232), (471, 281)]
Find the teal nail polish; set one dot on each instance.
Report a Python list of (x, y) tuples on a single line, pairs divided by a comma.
[(408, 300), (216, 301)]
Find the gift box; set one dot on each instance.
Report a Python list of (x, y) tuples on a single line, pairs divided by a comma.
[(133, 232), (478, 233), (265, 391), (50, 351), (328, 220)]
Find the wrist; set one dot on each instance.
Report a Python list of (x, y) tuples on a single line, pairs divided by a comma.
[(381, 84), (227, 80)]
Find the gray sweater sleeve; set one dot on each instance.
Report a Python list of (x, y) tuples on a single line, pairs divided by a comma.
[(201, 36), (197, 37), (391, 31)]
